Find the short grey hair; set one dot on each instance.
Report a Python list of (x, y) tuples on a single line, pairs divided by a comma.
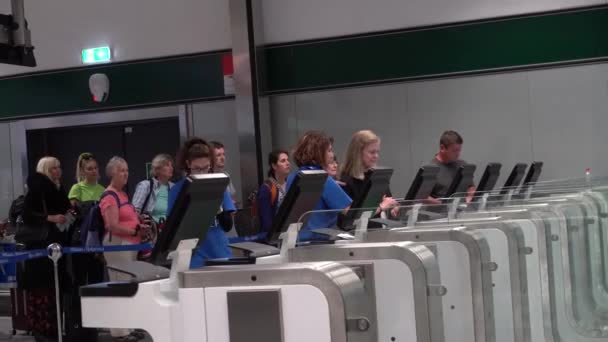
[(113, 164), (159, 161)]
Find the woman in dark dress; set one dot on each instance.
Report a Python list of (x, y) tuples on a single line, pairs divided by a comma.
[(45, 208)]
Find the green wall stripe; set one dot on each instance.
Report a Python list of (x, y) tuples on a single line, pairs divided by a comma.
[(514, 42), (179, 79)]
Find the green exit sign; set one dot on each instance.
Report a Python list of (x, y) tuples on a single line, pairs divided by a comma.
[(97, 55)]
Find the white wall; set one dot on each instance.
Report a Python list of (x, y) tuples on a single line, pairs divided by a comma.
[(569, 116), (6, 171), (290, 20), (135, 29), (217, 121), (559, 116)]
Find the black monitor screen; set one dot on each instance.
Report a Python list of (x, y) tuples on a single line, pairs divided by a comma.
[(376, 187), (515, 177), (462, 180), (489, 178), (533, 173), (193, 213), (303, 195), (423, 183)]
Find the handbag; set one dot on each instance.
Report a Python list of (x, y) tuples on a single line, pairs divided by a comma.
[(31, 234)]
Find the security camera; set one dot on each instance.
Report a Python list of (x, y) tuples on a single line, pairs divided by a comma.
[(99, 84)]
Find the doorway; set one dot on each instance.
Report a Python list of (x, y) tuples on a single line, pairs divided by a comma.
[(136, 141)]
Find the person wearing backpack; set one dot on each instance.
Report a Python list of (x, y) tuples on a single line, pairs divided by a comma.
[(271, 193), (122, 227), (152, 195), (85, 193), (195, 158), (87, 188), (86, 268)]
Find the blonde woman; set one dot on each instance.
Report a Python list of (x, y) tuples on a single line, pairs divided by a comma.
[(88, 268), (361, 157), (45, 208), (87, 174)]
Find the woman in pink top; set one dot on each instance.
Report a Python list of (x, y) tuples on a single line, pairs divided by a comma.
[(123, 227)]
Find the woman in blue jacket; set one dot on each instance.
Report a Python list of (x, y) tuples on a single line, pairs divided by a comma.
[(196, 158), (314, 151)]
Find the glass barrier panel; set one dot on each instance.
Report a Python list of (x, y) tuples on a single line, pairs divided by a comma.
[(550, 254)]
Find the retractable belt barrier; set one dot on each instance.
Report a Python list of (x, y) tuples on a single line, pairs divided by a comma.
[(13, 257), (54, 252)]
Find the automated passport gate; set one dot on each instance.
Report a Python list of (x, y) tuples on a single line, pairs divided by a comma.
[(402, 277), (459, 251), (561, 228), (215, 304), (508, 252), (407, 289)]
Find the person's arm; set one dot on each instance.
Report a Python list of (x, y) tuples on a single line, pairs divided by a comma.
[(232, 192), (141, 192), (345, 210), (470, 193), (265, 212), (173, 197), (113, 224), (335, 197), (75, 195), (386, 204), (110, 212), (34, 211), (432, 200), (225, 218)]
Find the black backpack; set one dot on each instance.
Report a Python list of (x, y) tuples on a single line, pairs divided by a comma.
[(16, 211), (82, 210), (92, 228)]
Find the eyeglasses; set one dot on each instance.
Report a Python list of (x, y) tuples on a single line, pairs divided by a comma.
[(199, 170)]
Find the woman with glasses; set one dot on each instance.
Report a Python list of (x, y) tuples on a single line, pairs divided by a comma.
[(196, 158)]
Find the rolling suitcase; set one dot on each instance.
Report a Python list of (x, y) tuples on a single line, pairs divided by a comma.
[(19, 311)]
